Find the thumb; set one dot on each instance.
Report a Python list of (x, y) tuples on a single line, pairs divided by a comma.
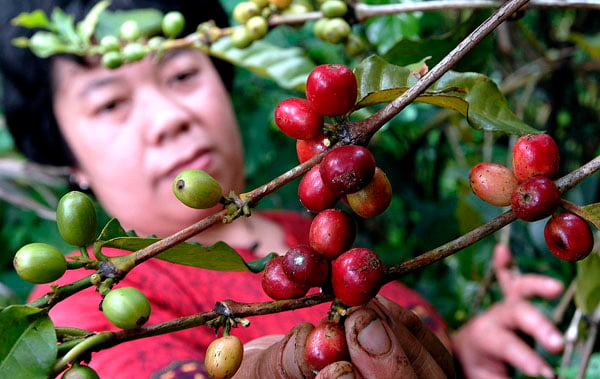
[(281, 359)]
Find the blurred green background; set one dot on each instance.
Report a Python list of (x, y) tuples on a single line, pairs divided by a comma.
[(545, 61)]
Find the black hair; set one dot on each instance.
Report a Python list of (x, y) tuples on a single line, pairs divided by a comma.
[(26, 82)]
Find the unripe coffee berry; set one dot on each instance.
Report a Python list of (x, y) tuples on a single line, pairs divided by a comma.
[(39, 263), (130, 30), (374, 198), (331, 89), (80, 372), (76, 219), (197, 189), (224, 357), (126, 307), (173, 23), (493, 183)]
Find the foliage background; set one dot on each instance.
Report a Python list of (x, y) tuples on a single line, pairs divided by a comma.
[(546, 61)]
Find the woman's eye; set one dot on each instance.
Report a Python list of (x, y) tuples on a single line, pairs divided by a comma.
[(184, 76), (110, 106)]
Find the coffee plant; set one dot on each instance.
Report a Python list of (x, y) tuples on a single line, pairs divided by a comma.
[(346, 114)]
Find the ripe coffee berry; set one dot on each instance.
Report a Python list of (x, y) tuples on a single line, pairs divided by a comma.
[(314, 194), (332, 232), (493, 183), (325, 344), (536, 198), (302, 264), (535, 154), (373, 199), (568, 236), (277, 285), (356, 276), (296, 118), (224, 357), (306, 149), (347, 169), (331, 89)]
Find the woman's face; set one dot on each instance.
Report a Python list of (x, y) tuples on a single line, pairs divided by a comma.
[(133, 129)]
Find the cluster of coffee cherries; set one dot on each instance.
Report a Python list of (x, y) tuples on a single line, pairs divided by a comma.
[(532, 194), (129, 46)]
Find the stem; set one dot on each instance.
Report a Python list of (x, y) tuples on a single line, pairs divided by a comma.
[(590, 342), (57, 294), (80, 349)]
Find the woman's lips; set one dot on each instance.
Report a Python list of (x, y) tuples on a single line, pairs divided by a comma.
[(201, 161)]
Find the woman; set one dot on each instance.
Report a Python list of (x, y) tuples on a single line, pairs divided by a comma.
[(126, 133)]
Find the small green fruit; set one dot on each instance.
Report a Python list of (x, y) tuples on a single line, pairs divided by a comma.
[(257, 26), (130, 30), (76, 219), (39, 263), (173, 24), (244, 11), (336, 30), (334, 8), (197, 189), (126, 307), (112, 59), (134, 52), (80, 372), (241, 38), (110, 43)]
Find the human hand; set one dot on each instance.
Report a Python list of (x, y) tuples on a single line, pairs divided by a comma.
[(489, 342), (382, 338)]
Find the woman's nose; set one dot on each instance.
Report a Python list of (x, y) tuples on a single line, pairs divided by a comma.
[(168, 118)]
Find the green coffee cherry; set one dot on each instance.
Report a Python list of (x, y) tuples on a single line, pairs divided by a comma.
[(257, 26), (80, 372), (156, 42), (134, 52), (126, 307), (112, 59), (197, 189), (244, 11), (319, 28), (334, 8), (130, 30), (110, 43), (173, 24), (241, 38), (39, 263), (354, 45), (336, 30), (261, 3), (76, 219)]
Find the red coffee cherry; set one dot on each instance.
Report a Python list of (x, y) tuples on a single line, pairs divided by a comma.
[(347, 169), (493, 183), (277, 285), (536, 198), (535, 154), (568, 236), (332, 232), (308, 148), (302, 264), (374, 199), (296, 118), (331, 89), (326, 344), (314, 194), (356, 276)]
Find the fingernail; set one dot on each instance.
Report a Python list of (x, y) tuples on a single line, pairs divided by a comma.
[(374, 339), (555, 340)]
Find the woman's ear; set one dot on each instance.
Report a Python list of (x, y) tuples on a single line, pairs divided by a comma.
[(79, 179)]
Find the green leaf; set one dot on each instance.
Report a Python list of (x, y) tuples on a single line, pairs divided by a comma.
[(65, 26), (218, 256), (288, 67), (258, 265), (473, 95), (112, 229), (587, 294), (86, 27), (109, 22), (35, 19), (28, 345), (593, 214)]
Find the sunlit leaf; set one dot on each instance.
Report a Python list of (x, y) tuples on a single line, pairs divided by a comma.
[(64, 25), (87, 26), (593, 214), (28, 344), (288, 67), (587, 294), (473, 95), (35, 19)]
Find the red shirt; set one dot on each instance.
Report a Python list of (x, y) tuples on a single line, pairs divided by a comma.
[(176, 290)]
